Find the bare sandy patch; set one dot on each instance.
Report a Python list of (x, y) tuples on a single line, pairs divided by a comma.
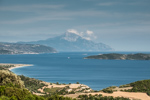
[(75, 87), (125, 88), (131, 95)]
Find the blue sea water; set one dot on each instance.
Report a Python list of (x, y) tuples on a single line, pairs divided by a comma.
[(70, 67)]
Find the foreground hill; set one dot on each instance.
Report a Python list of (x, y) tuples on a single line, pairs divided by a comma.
[(15, 48), (138, 56), (12, 87), (72, 42)]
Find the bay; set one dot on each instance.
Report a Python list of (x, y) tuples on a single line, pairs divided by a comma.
[(70, 67)]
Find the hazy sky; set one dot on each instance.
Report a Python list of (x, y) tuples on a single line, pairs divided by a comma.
[(122, 24)]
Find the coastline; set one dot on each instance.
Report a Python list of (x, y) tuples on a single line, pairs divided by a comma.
[(131, 95), (16, 65)]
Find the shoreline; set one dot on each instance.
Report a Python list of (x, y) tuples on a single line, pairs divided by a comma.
[(16, 65), (131, 95)]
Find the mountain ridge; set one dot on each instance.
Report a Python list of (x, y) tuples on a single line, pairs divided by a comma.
[(17, 48), (72, 42)]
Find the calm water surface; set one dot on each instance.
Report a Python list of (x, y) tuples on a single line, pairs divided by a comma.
[(72, 68)]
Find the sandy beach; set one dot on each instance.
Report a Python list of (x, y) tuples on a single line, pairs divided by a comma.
[(16, 65)]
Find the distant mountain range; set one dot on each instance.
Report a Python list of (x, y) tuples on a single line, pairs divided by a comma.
[(16, 48), (72, 42)]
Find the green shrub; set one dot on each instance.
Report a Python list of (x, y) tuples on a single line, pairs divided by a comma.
[(109, 89), (51, 90), (32, 84), (4, 98), (124, 86), (140, 86), (13, 98), (18, 93), (8, 78)]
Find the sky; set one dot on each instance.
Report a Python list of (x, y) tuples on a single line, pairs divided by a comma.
[(122, 24)]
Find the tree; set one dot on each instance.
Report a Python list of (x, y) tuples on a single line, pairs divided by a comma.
[(77, 83), (8, 78)]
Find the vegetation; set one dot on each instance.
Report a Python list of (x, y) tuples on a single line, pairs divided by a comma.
[(100, 97), (52, 90), (8, 78), (5, 67), (57, 97), (13, 93), (2, 51), (32, 84), (57, 83), (59, 91), (124, 86), (109, 89), (140, 86), (12, 88), (16, 48), (2, 68), (138, 56), (17, 93), (77, 83)]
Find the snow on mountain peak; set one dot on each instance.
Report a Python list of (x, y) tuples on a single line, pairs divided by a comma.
[(73, 31), (72, 35)]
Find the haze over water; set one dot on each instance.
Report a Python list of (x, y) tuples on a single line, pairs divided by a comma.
[(71, 68)]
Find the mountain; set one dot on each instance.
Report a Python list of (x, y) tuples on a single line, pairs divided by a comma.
[(72, 42), (16, 48)]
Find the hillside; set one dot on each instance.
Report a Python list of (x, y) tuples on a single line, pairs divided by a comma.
[(12, 88), (15, 48), (138, 56), (13, 91), (140, 86), (72, 42)]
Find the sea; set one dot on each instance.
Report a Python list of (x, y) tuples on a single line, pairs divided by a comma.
[(71, 67)]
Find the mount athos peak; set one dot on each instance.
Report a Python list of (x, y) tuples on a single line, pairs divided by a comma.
[(72, 37), (73, 41)]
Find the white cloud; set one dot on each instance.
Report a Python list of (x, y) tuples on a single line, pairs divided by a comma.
[(87, 38), (89, 32), (90, 35)]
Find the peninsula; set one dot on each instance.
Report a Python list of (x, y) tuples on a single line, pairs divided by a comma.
[(16, 48), (116, 56), (7, 66)]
